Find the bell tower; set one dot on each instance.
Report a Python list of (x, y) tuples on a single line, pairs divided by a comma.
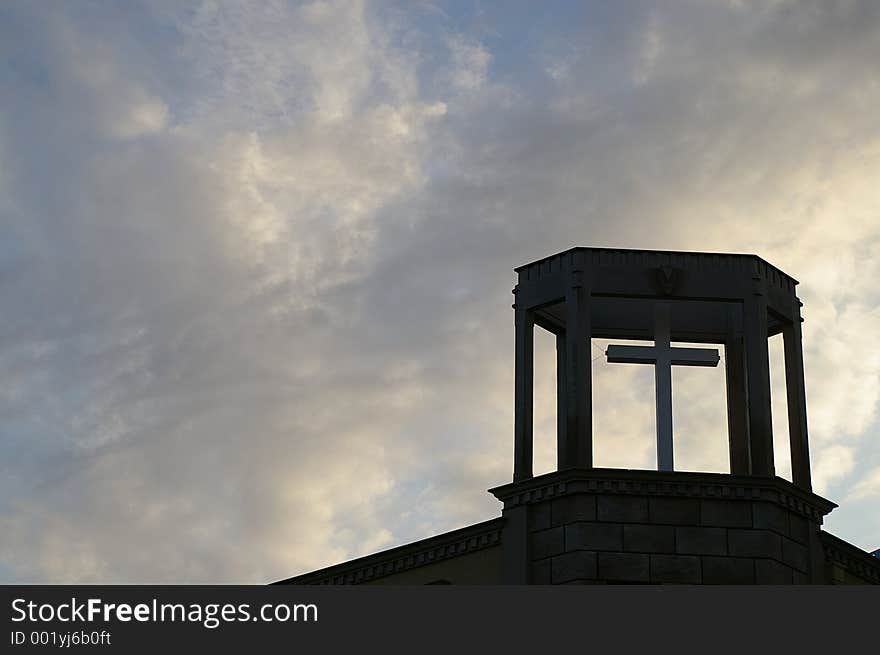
[(582, 524), (587, 524)]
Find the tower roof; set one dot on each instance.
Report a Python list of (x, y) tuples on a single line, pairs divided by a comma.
[(600, 256)]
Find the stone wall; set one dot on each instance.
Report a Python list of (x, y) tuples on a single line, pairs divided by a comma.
[(586, 537), (653, 527), (479, 567), (846, 564)]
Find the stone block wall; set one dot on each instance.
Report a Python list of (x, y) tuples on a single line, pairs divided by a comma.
[(587, 532)]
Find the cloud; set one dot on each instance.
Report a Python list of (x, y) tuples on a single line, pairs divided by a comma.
[(867, 488), (259, 258), (831, 465), (470, 64)]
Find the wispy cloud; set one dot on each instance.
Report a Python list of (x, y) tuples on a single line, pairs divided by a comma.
[(258, 258)]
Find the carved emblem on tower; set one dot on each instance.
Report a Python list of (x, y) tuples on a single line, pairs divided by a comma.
[(667, 277)]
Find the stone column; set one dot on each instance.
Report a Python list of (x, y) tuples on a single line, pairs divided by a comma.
[(562, 454), (797, 401), (578, 376), (523, 402), (758, 381), (737, 396)]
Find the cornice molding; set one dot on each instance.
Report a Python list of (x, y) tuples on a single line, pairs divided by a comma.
[(405, 558), (716, 486), (853, 559), (732, 263)]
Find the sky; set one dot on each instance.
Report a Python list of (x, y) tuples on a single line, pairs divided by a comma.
[(257, 258)]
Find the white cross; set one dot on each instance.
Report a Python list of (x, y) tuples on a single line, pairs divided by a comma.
[(664, 357)]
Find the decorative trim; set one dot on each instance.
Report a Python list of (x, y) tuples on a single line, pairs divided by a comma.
[(405, 558), (660, 483), (736, 264), (851, 558)]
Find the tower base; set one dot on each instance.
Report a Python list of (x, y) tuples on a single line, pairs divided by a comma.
[(588, 526)]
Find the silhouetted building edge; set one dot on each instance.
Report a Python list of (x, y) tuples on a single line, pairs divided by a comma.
[(471, 554)]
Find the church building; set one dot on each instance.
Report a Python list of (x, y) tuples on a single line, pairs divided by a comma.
[(585, 525)]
